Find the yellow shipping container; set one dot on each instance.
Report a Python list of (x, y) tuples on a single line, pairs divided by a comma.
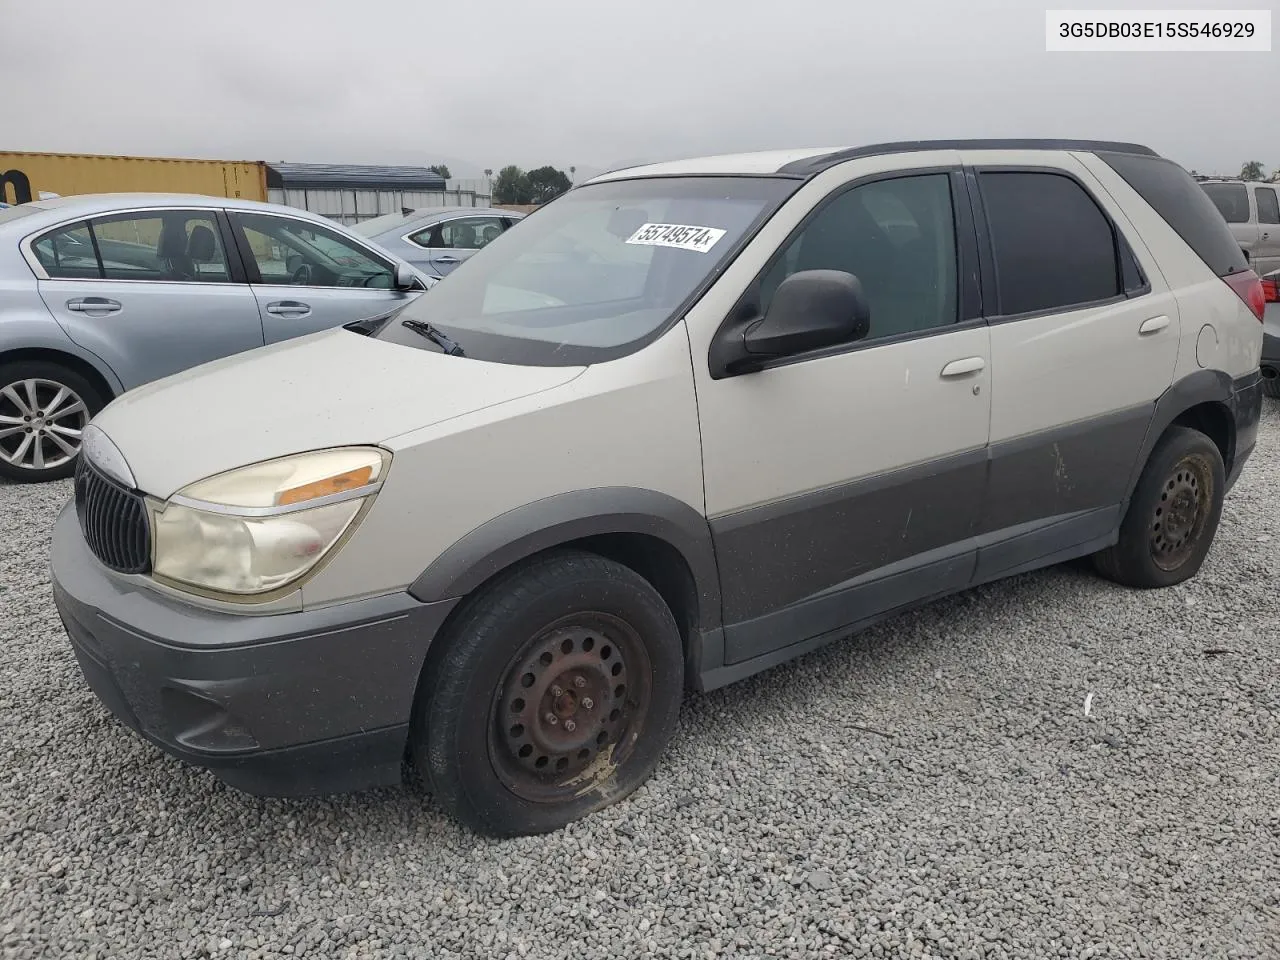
[(68, 174)]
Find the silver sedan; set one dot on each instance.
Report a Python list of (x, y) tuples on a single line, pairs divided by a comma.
[(437, 239), (102, 293)]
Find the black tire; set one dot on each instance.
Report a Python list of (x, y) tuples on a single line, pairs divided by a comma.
[(1271, 386), (17, 463), (569, 621), (1172, 516)]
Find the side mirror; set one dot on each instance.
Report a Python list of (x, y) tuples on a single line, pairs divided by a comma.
[(404, 277), (810, 310)]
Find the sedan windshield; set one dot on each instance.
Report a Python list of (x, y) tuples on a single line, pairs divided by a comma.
[(596, 274)]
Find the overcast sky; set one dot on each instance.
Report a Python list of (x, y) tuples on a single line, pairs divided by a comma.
[(597, 84)]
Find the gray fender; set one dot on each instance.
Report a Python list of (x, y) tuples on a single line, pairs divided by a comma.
[(534, 527), (43, 333), (1202, 386)]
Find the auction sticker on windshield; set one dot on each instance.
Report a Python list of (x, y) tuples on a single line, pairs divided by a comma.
[(678, 235)]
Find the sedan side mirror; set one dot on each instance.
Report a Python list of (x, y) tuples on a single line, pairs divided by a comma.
[(810, 310), (405, 277)]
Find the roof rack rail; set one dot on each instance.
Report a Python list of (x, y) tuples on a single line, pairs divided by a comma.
[(814, 165)]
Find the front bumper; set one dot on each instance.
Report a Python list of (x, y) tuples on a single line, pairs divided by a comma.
[(284, 705)]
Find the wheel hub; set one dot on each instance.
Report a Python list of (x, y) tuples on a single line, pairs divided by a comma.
[(41, 423), (1180, 514), (563, 702)]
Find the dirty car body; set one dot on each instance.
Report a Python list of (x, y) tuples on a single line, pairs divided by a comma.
[(688, 422)]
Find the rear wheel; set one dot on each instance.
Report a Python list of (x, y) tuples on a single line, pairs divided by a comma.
[(1173, 515), (553, 695), (44, 408), (1271, 386)]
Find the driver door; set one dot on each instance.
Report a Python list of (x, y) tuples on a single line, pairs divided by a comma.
[(308, 278)]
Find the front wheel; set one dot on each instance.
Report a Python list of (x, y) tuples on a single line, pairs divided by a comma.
[(1173, 514), (552, 696)]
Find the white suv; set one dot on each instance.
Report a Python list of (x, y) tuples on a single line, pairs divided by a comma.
[(686, 422)]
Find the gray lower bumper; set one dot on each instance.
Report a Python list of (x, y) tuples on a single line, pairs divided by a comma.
[(290, 704)]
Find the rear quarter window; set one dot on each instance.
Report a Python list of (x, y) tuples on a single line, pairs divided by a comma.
[(1231, 199), (1174, 195)]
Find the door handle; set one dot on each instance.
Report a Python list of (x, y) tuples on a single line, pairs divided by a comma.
[(960, 368), (1265, 235), (447, 260), (93, 305), (1154, 325), (288, 308)]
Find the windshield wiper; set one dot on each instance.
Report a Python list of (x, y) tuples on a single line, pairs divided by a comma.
[(435, 336)]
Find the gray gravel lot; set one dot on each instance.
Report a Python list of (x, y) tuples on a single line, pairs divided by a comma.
[(932, 788)]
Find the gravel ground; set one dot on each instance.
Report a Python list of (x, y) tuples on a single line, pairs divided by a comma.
[(932, 788)]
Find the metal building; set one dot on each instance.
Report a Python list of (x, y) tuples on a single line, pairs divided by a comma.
[(351, 193)]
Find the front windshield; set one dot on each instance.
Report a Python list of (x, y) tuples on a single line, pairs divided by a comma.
[(595, 274)]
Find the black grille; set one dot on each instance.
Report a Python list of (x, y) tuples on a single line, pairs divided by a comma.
[(114, 521)]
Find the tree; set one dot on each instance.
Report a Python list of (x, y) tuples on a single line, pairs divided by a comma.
[(535, 186), (1251, 171), (512, 186), (1275, 175), (442, 169), (547, 183)]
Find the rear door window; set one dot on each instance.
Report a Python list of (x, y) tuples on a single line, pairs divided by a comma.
[(1054, 248), (167, 246), (1231, 199)]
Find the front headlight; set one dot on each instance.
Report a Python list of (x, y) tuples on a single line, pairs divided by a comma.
[(253, 530)]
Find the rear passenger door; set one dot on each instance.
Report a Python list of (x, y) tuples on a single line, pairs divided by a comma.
[(1266, 256), (309, 278), (1084, 339), (152, 292)]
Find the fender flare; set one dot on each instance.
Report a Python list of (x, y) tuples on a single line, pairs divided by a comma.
[(529, 529), (1202, 386)]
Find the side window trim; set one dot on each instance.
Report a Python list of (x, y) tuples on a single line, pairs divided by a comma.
[(968, 315), (1119, 242), (252, 270)]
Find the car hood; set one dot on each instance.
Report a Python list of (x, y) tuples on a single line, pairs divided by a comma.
[(329, 389)]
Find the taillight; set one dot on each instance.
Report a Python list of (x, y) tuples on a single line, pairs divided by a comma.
[(1271, 291), (1248, 286)]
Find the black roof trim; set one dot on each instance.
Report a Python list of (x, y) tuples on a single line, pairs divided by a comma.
[(812, 166)]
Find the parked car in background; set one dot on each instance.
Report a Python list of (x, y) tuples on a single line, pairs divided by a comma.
[(103, 293), (686, 423), (437, 239), (1252, 210), (1271, 335)]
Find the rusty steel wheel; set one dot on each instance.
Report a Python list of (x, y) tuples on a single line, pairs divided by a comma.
[(1180, 515), (553, 693), (1173, 513), (567, 703)]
